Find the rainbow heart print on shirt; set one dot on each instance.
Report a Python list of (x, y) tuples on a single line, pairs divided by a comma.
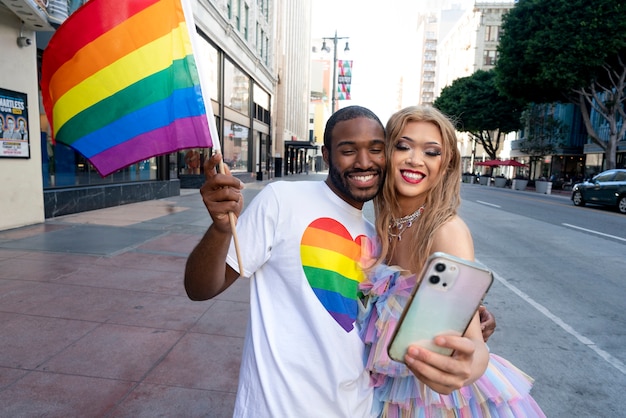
[(331, 260)]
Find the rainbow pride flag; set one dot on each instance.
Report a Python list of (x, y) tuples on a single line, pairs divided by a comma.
[(120, 83)]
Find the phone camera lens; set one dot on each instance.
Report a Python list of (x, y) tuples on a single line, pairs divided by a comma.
[(440, 267), (434, 279)]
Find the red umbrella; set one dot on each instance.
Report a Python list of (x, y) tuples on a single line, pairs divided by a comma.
[(499, 163), (513, 163), (490, 163)]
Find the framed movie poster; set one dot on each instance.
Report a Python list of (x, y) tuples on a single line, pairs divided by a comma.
[(14, 137)]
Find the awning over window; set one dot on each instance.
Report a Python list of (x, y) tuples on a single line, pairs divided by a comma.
[(300, 144)]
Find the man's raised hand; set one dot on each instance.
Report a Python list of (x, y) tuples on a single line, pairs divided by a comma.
[(221, 192)]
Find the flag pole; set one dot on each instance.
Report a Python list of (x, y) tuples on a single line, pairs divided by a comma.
[(215, 140), (233, 226)]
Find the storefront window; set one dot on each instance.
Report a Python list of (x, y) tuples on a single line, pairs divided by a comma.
[(64, 167), (261, 104), (192, 159), (236, 88), (235, 150), (593, 165), (208, 57), (261, 97)]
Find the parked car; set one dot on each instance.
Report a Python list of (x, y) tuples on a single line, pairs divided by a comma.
[(606, 188)]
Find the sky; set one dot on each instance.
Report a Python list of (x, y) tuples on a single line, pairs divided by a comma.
[(383, 46)]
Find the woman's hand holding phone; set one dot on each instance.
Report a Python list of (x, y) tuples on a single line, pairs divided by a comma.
[(439, 329), (444, 302), (441, 372)]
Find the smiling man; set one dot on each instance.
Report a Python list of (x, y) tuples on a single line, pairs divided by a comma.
[(356, 167), (302, 244)]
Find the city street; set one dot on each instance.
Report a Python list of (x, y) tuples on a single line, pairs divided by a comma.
[(559, 295), (94, 319), (109, 116)]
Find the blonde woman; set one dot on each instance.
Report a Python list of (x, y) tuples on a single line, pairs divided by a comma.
[(416, 215)]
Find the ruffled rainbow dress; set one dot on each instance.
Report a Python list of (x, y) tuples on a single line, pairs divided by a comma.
[(503, 391)]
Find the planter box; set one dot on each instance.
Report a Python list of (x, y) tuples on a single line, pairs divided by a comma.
[(500, 182), (468, 179), (543, 187), (484, 180), (519, 184)]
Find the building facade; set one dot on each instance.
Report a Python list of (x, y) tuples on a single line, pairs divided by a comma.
[(238, 42), (242, 59), (21, 183), (293, 145), (468, 41)]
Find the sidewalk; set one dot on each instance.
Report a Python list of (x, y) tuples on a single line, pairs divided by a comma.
[(95, 322)]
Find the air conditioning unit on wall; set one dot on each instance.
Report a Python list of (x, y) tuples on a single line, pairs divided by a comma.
[(39, 15), (58, 10)]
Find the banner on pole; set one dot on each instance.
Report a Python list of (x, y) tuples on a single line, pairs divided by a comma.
[(344, 79)]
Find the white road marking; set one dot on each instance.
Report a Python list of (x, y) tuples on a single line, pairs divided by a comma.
[(558, 321), (595, 232), (488, 204)]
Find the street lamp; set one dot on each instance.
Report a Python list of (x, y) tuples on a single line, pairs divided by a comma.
[(327, 49)]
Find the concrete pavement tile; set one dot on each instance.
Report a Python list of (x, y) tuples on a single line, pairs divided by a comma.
[(67, 301), (137, 279), (224, 318), (29, 231), (196, 226), (148, 401), (237, 292), (7, 287), (35, 268), (28, 341), (9, 376), (125, 215), (115, 352), (181, 243), (181, 215), (85, 239), (136, 260), (201, 361), (7, 254), (62, 258), (57, 395), (161, 311)]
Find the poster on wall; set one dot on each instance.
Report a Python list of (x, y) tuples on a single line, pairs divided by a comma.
[(14, 138)]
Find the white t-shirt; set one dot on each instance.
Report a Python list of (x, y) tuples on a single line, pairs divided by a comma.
[(302, 354)]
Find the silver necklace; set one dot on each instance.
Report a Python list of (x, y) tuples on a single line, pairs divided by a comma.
[(398, 226)]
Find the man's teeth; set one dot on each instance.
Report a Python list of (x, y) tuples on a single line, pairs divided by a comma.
[(363, 178)]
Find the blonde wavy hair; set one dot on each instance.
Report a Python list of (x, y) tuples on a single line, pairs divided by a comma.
[(443, 199)]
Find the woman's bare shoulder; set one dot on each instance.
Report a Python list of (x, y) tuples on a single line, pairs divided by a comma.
[(454, 237)]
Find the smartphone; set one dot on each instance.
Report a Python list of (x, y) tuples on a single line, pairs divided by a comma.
[(442, 303)]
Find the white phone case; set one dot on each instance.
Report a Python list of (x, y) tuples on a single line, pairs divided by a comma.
[(444, 302)]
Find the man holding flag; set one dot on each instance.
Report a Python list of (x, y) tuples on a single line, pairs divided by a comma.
[(302, 244)]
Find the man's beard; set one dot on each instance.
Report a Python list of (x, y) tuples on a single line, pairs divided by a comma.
[(339, 180)]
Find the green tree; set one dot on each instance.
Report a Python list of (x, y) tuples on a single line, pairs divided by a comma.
[(480, 109), (569, 51), (542, 133)]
